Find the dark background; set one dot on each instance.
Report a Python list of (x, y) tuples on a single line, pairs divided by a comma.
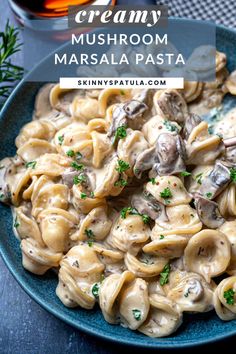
[(27, 328)]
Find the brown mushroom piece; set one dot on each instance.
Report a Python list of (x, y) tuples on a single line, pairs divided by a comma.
[(216, 181), (191, 122), (170, 150), (123, 112), (173, 106), (145, 161), (7, 167), (208, 213), (88, 178), (146, 204)]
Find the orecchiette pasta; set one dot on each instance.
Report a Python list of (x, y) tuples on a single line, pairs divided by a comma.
[(131, 198)]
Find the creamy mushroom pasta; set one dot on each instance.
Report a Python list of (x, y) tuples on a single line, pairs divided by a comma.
[(130, 197)]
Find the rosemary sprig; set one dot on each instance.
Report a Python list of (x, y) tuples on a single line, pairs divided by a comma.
[(9, 72)]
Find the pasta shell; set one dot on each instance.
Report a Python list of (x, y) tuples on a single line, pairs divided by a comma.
[(144, 266), (134, 304), (110, 289), (228, 284), (207, 253), (171, 246)]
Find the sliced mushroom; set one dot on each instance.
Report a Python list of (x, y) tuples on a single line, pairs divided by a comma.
[(146, 204), (145, 161), (170, 150), (172, 106), (134, 108), (209, 213), (216, 181), (207, 253), (190, 292), (191, 122)]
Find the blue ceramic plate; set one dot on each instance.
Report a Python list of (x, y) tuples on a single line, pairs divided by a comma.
[(196, 329)]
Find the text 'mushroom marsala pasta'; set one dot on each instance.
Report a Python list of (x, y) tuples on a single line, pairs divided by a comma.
[(131, 198)]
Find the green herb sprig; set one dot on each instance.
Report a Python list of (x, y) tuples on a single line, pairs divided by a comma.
[(9, 73)]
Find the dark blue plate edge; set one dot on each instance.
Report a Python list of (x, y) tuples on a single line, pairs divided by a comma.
[(98, 333)]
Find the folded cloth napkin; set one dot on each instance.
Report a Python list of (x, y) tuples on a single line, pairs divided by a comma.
[(220, 11)]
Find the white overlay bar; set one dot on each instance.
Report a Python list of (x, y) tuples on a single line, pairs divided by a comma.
[(133, 82)]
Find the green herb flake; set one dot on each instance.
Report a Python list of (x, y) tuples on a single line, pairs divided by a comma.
[(120, 183), (146, 219), (16, 223), (70, 153), (153, 181), (198, 178), (77, 166), (90, 235), (95, 290), (83, 195), (122, 166), (164, 275), (92, 195), (121, 133), (122, 92), (161, 237), (137, 314), (185, 173), (78, 155), (233, 174), (208, 195), (166, 193), (60, 139), (1, 196), (169, 126), (129, 210), (229, 296), (31, 164)]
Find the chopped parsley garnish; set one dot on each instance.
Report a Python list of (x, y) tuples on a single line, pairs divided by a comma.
[(153, 181), (164, 275), (137, 314), (90, 235), (122, 92), (169, 126), (121, 133), (31, 164), (233, 174), (185, 173), (70, 153), (92, 195), (146, 218), (83, 195), (166, 193), (16, 223), (79, 179), (78, 155), (95, 290), (130, 211), (1, 196), (229, 296), (77, 166), (209, 195), (121, 182), (122, 166), (60, 139), (198, 178), (161, 237)]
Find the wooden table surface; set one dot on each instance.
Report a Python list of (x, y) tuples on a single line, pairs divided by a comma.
[(27, 328)]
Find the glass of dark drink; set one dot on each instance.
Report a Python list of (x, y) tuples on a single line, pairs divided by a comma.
[(53, 10)]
